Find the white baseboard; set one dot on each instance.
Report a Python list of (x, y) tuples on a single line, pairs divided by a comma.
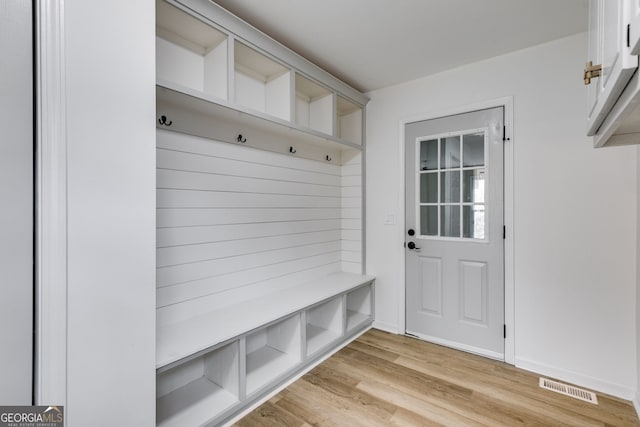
[(598, 385), (636, 404), (387, 327)]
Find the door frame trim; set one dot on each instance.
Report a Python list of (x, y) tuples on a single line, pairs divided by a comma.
[(50, 353), (509, 283)]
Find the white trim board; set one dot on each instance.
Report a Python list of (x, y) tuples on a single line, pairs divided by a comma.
[(636, 404), (585, 381), (50, 351), (509, 284)]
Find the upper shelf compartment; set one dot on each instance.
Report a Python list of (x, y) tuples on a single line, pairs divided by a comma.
[(189, 52), (210, 61), (261, 83), (314, 106)]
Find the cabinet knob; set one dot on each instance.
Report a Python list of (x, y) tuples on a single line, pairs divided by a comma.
[(591, 72)]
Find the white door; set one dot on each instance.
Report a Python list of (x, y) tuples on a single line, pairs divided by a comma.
[(634, 24), (609, 48), (16, 202), (454, 241)]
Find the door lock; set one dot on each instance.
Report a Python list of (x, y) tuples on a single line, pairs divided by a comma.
[(412, 246), (411, 232)]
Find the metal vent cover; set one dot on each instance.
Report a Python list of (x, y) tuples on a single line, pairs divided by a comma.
[(568, 390)]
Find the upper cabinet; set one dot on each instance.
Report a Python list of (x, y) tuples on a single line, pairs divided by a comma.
[(241, 82), (610, 72)]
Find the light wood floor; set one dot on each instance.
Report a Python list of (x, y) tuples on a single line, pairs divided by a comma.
[(383, 380)]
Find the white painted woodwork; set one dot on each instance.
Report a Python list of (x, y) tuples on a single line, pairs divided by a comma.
[(634, 22), (109, 317), (359, 307), (16, 211), (271, 352), (607, 47), (200, 388), (349, 125), (314, 105), (324, 324), (261, 83), (189, 52), (351, 216)]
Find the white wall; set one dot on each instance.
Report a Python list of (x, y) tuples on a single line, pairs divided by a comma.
[(16, 207), (110, 125), (575, 212)]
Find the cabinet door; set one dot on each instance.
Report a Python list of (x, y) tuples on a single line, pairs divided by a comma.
[(634, 18), (608, 47)]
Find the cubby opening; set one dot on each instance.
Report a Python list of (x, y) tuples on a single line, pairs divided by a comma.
[(261, 83), (349, 121), (359, 307), (189, 52), (194, 392), (324, 325), (314, 106), (272, 352)]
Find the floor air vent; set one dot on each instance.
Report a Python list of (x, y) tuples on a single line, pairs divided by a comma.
[(571, 391)]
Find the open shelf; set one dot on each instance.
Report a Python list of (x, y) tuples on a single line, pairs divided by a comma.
[(261, 83), (196, 391), (349, 121), (272, 352), (314, 106), (359, 303), (189, 52), (324, 325)]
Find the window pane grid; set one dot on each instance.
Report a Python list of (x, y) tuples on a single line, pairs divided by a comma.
[(451, 186)]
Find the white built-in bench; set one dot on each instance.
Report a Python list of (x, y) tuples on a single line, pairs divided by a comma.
[(213, 366)]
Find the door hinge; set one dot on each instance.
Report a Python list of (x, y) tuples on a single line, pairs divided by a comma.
[(504, 232), (628, 35), (591, 71), (504, 329)]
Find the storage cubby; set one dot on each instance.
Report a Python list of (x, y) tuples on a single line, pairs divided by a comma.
[(261, 83), (349, 121), (189, 52), (359, 305), (314, 106), (324, 325), (272, 352), (194, 392)]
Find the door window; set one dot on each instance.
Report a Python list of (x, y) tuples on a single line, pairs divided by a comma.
[(451, 182)]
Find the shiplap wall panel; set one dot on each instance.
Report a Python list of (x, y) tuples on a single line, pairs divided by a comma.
[(166, 276), (351, 212), (178, 236), (235, 222), (177, 312)]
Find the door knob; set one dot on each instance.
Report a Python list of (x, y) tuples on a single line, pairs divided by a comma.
[(412, 246), (411, 232)]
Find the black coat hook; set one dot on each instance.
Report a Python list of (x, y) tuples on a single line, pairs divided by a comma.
[(241, 139), (163, 121), (328, 159), (292, 151)]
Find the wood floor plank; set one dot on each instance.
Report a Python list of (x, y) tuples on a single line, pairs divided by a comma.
[(383, 379)]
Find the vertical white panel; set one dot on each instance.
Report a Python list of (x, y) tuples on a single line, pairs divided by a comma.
[(175, 378), (110, 64), (350, 127), (302, 111), (278, 96), (321, 114), (215, 71), (249, 92), (431, 285), (222, 367), (179, 65), (473, 291), (16, 207)]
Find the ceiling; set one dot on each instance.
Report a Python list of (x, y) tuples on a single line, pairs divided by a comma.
[(371, 44)]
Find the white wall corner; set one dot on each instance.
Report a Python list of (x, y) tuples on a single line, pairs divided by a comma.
[(621, 391), (386, 327)]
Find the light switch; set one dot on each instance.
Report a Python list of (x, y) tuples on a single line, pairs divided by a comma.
[(390, 219)]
